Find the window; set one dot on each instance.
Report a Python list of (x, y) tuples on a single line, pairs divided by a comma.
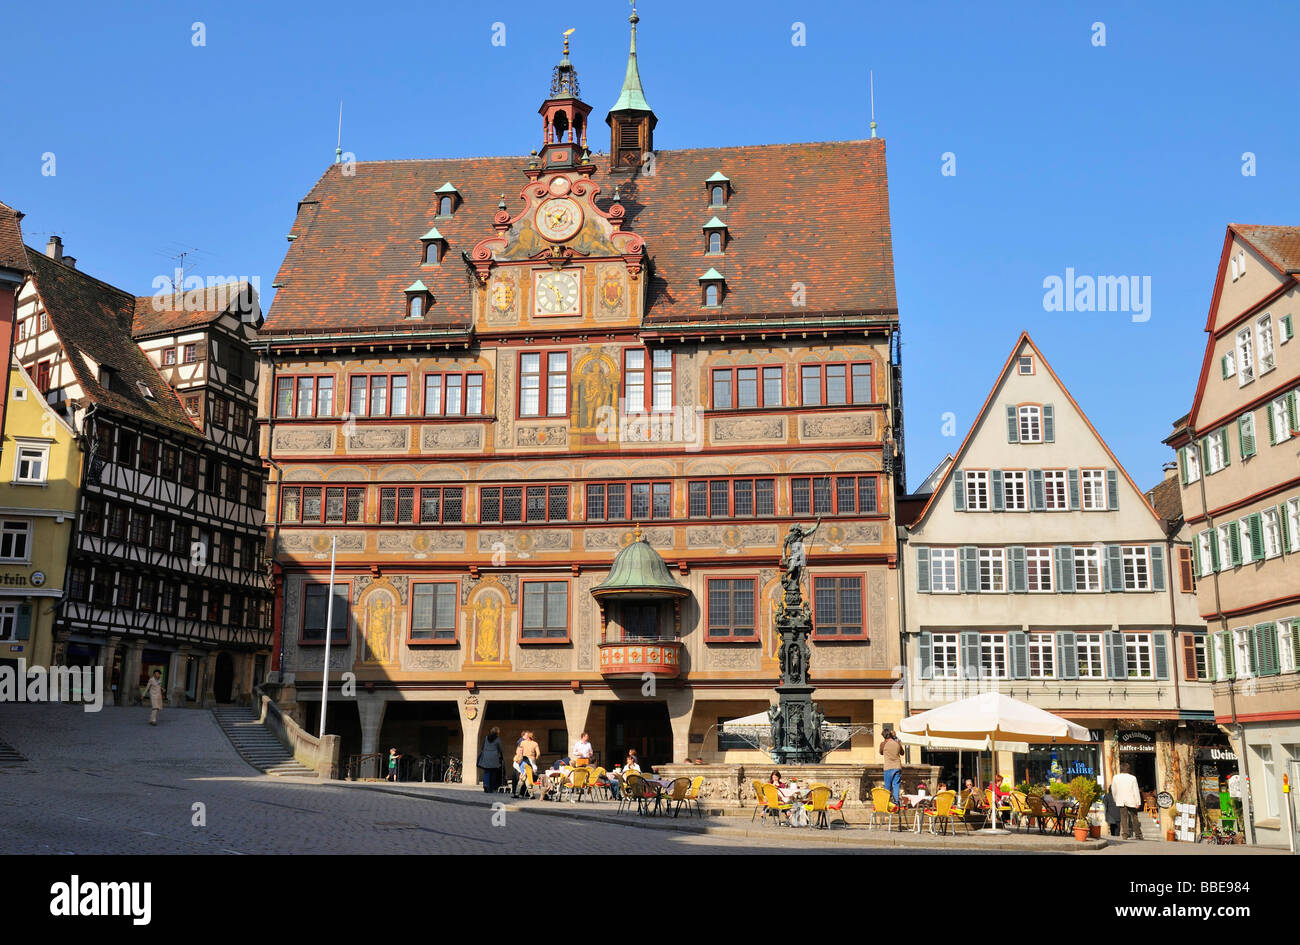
[(1093, 483), (657, 395), (747, 387), (1186, 572), (609, 501), (544, 384), (77, 583), (378, 395), (1190, 459), (1229, 537), (1137, 568), (836, 384), (1087, 569), (139, 530), (1038, 569), (342, 504), (1264, 338), (1015, 495), (943, 570), (1137, 655), (943, 658), (101, 587), (712, 294), (1242, 662), (1025, 364), (304, 396), (1245, 358), (160, 538), (840, 495), (217, 410), (1195, 665), (837, 607), (31, 464), (445, 504), (1272, 526), (1089, 648), (1286, 648), (727, 498), (993, 655), (169, 462), (192, 406), (977, 490), (714, 242), (14, 540), (453, 395), (126, 590), (43, 376), (189, 353), (545, 611), (731, 608), (1293, 523), (92, 516), (717, 195), (1042, 656), (1031, 427), (315, 613), (523, 503), (415, 306), (1055, 491), (117, 515), (168, 357), (433, 612), (1279, 423), (992, 570), (446, 204)]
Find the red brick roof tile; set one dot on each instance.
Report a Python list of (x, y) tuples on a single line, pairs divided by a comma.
[(13, 254), (166, 314), (1281, 244)]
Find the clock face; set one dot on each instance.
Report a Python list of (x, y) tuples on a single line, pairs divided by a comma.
[(559, 218), (557, 293)]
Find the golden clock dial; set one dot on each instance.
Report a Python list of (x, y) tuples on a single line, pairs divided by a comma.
[(559, 218), (556, 293)]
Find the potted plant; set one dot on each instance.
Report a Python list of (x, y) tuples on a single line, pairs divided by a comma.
[(1084, 791), (1059, 790)]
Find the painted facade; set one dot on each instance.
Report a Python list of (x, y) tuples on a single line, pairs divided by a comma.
[(1038, 567), (1240, 480)]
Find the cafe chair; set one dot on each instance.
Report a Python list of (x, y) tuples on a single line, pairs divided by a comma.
[(773, 803), (677, 794), (838, 807), (693, 795), (994, 808), (942, 810), (579, 784), (882, 802), (646, 794), (1038, 812), (759, 799), (818, 799), (1020, 814), (627, 792)]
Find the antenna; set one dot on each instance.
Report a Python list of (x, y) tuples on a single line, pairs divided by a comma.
[(871, 80), (178, 274), (338, 149)]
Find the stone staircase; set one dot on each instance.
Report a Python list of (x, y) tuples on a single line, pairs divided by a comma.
[(257, 744)]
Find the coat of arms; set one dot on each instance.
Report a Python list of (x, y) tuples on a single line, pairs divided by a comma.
[(503, 295), (611, 290)]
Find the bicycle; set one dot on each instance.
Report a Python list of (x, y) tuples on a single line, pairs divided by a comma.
[(452, 773)]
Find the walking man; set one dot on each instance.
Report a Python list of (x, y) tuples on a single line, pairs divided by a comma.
[(154, 691), (1124, 788), (891, 753)]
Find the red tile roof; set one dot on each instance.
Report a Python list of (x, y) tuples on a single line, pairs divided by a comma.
[(1280, 244), (13, 254), (815, 214), (166, 314), (95, 318), (1167, 499)]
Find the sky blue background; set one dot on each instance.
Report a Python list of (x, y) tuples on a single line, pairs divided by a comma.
[(1122, 160)]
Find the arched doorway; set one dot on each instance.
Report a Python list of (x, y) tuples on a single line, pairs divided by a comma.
[(223, 679)]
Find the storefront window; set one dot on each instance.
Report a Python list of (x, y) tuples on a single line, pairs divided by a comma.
[(1046, 763)]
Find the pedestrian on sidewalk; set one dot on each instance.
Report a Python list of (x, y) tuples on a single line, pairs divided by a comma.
[(490, 760), (891, 752), (1112, 812), (393, 756), (1129, 798), (154, 691)]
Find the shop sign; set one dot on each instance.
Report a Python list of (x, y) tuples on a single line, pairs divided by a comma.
[(1165, 800), (1137, 741), (471, 707)]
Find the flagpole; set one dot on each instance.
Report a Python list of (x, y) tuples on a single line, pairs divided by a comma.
[(329, 632)]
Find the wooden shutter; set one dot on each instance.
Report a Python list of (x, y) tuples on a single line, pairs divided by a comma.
[(1234, 545), (1067, 647), (925, 647), (1189, 656), (1160, 647), (1013, 425), (1114, 568), (1157, 567), (1256, 537), (1182, 465), (996, 489), (1017, 578), (1272, 425), (1229, 658), (1019, 655), (1073, 478), (968, 559), (959, 490), (1112, 489), (1246, 434), (1222, 434), (1284, 527), (1205, 456), (1064, 555), (1049, 423), (23, 629), (970, 653), (1186, 571), (1037, 502), (1116, 661), (1266, 658), (923, 570)]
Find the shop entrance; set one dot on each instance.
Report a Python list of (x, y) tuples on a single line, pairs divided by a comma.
[(1143, 765), (223, 679), (640, 725)]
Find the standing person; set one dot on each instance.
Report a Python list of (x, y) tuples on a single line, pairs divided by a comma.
[(1124, 787), (891, 753), (582, 751), (154, 691), (490, 759), (1112, 811), (392, 764)]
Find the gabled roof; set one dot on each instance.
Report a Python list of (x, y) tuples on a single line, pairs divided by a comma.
[(1167, 499), (817, 214), (93, 319), (167, 314), (988, 403), (13, 254)]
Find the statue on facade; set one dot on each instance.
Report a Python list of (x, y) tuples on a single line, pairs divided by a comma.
[(794, 559)]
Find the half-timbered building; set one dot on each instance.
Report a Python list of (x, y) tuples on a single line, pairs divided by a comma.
[(556, 413), (166, 566)]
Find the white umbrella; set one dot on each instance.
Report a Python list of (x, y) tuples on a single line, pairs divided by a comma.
[(996, 718)]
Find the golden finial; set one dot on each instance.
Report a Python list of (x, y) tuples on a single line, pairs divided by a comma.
[(567, 33), (636, 532)]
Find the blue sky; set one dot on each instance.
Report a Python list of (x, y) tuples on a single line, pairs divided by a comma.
[(1117, 160)]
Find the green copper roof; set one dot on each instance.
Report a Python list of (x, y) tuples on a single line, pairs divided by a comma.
[(416, 286), (447, 188), (715, 224), (632, 98), (712, 276), (435, 235), (639, 572), (717, 178)]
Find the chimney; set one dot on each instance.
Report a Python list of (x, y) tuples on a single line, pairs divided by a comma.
[(1170, 470), (54, 248), (69, 261)]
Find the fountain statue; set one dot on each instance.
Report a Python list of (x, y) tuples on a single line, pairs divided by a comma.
[(796, 720)]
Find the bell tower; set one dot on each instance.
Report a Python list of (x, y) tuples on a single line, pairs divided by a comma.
[(631, 121), (564, 118)]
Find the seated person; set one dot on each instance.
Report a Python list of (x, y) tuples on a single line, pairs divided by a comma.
[(632, 763)]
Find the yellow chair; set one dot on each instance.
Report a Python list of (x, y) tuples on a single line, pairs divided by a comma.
[(882, 802), (579, 783), (773, 803), (693, 795), (819, 798), (994, 808), (677, 794), (942, 810), (757, 785)]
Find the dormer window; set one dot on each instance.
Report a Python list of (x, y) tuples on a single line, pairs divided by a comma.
[(715, 236), (719, 190), (435, 247), (448, 198), (712, 285), (417, 300), (145, 390)]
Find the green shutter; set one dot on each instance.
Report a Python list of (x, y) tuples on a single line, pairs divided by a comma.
[(1256, 537), (1182, 465), (1205, 456), (1019, 579), (1112, 489), (1049, 423), (923, 570), (23, 630), (1161, 649), (968, 558), (1223, 366), (1157, 567), (1252, 651), (1229, 667), (1037, 499), (1246, 434), (1072, 476), (1266, 649), (1196, 557), (1222, 434), (1114, 568), (1285, 324), (925, 647), (996, 491), (1291, 400), (1019, 655), (1069, 654), (959, 490), (1284, 528), (1234, 545), (1272, 425), (1013, 427), (1064, 555)]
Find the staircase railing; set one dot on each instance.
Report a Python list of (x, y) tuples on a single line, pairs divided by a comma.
[(321, 755)]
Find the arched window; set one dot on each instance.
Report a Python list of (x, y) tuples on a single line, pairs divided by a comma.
[(717, 195), (715, 241), (711, 294), (432, 252), (444, 206), (417, 307)]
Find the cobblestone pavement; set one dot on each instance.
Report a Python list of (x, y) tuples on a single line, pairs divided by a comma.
[(109, 783)]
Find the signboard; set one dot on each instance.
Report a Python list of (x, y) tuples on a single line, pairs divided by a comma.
[(1185, 823), (1216, 754), (1137, 741), (1165, 800)]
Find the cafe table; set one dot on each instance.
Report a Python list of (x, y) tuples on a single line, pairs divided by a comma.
[(1061, 809)]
